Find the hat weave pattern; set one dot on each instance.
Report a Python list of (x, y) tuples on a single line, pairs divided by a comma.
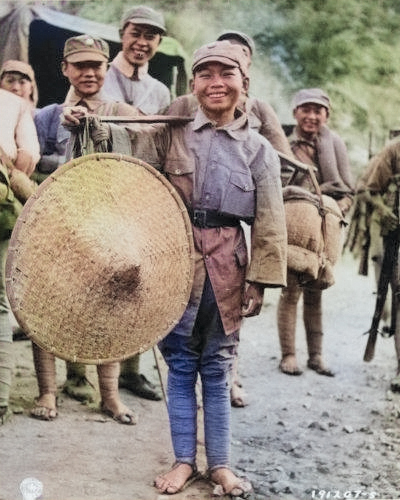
[(100, 263)]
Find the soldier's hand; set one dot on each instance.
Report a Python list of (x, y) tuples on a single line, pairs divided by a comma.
[(71, 115), (252, 300), (389, 221)]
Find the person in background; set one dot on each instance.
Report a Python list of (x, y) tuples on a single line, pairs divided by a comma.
[(18, 77), (382, 185), (313, 143), (128, 80), (19, 147), (264, 120), (84, 64)]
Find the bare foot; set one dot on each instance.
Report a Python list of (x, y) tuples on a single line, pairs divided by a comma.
[(238, 395), (175, 480), (317, 365), (289, 366), (45, 407), (227, 483), (118, 411)]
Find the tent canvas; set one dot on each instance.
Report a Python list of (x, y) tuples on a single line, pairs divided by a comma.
[(37, 34)]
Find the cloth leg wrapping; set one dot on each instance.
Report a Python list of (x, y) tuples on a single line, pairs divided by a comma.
[(75, 370), (6, 367), (313, 321), (287, 315), (130, 365), (108, 381), (45, 367)]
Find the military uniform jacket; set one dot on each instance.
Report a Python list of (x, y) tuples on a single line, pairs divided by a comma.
[(235, 171)]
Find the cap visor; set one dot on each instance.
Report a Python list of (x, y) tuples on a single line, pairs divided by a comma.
[(146, 22), (86, 56), (221, 59)]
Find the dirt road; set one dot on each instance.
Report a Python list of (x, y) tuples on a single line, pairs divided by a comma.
[(300, 437)]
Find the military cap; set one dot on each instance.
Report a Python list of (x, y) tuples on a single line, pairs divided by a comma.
[(240, 36), (86, 48), (144, 15), (313, 96), (14, 66), (223, 52)]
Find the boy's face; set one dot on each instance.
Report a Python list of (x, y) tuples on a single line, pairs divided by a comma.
[(310, 117), (139, 43), (17, 84), (218, 88), (87, 77)]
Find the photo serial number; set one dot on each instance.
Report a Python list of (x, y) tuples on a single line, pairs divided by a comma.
[(336, 494)]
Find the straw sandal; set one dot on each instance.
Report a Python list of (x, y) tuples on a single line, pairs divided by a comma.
[(164, 485), (43, 412), (289, 366), (321, 370), (79, 388), (239, 488), (126, 417)]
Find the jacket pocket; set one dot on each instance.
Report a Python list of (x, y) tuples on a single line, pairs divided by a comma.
[(239, 197)]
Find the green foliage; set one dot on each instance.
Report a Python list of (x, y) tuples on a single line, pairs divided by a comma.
[(348, 47)]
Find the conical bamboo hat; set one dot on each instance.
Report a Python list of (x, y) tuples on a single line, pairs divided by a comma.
[(100, 262)]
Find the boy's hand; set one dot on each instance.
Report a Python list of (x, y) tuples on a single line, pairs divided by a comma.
[(252, 299), (71, 115)]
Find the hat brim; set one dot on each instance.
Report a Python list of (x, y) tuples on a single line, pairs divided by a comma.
[(146, 22), (86, 56), (24, 75), (221, 59), (100, 263)]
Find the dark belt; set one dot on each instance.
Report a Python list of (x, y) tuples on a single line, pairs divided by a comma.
[(211, 218)]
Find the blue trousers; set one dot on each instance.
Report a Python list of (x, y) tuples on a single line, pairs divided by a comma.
[(208, 352)]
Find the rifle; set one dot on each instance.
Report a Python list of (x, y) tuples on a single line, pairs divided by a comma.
[(389, 262)]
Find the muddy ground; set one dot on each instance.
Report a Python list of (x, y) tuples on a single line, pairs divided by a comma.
[(299, 438)]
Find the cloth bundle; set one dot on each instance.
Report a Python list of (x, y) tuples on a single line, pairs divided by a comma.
[(315, 240)]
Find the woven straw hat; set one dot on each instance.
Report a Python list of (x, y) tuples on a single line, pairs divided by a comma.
[(100, 263)]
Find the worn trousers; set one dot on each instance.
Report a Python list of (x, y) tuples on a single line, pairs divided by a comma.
[(207, 352)]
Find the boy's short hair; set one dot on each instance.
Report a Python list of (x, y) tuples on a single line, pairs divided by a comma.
[(223, 52)]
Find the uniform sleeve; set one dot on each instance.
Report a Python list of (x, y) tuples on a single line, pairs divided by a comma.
[(343, 163), (271, 128), (268, 263), (26, 139), (381, 168)]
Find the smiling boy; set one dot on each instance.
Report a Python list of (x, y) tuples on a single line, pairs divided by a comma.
[(128, 79), (225, 173)]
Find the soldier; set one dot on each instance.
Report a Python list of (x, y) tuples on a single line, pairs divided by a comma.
[(382, 185), (313, 143), (264, 120), (225, 173), (84, 64), (19, 147)]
